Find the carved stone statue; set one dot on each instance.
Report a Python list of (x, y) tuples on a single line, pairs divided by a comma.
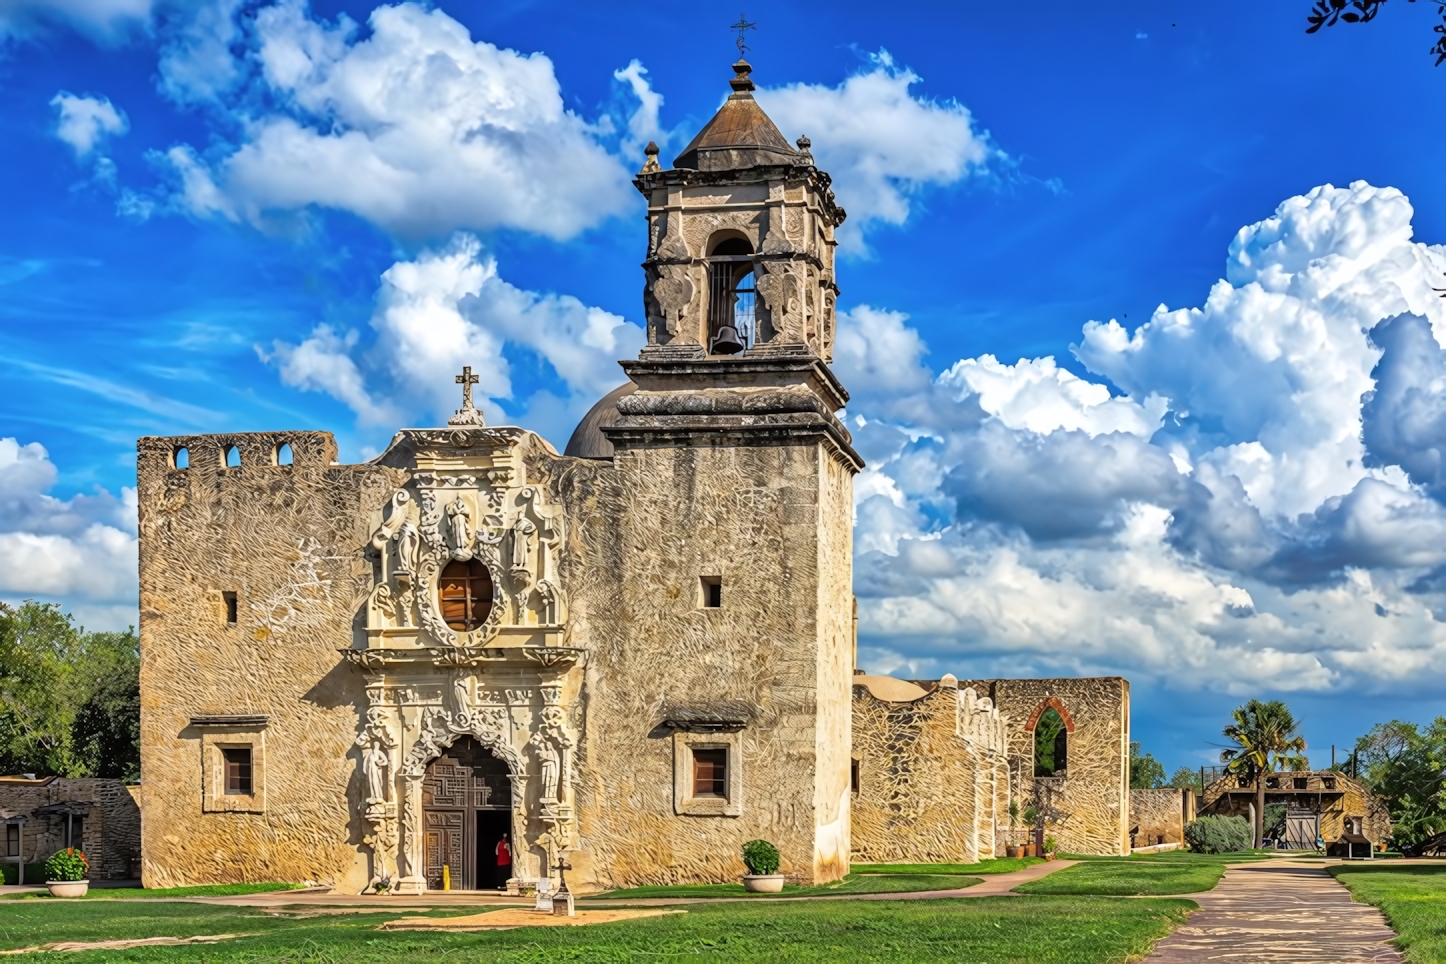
[(459, 519), (459, 693), (522, 535), (377, 764), (549, 762), (409, 544)]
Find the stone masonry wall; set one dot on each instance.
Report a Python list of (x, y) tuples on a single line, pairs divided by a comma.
[(923, 795), (750, 515), (1158, 816), (1093, 798)]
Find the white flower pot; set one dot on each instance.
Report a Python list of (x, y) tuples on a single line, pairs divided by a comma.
[(764, 883), (68, 888)]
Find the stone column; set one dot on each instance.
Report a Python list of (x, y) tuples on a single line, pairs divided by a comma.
[(409, 852)]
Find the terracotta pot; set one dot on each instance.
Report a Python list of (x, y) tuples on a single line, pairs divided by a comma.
[(1049, 856), (68, 888), (1011, 850), (764, 883), (1027, 850)]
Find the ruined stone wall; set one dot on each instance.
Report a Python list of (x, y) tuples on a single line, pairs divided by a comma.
[(1158, 816), (287, 540), (929, 788), (110, 835), (766, 657), (1093, 797)]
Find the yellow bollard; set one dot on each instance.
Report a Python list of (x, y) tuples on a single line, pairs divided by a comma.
[(446, 877)]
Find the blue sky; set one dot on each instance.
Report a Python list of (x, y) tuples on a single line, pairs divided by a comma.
[(225, 216)]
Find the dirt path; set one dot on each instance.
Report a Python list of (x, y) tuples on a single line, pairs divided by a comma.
[(1277, 912), (994, 885)]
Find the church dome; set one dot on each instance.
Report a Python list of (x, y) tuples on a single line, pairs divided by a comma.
[(588, 440)]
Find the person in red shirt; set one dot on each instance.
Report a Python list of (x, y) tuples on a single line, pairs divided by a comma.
[(504, 862)]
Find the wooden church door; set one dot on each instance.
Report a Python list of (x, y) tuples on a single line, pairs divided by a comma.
[(461, 788)]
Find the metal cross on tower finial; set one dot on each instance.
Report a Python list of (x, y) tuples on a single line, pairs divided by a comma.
[(467, 414), (742, 26)]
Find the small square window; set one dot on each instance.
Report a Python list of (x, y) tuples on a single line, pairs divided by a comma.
[(230, 599), (1328, 782), (238, 770), (712, 587), (710, 772), (1300, 783), (1272, 783)]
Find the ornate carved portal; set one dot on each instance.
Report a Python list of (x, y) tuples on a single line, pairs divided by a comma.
[(470, 729), (466, 810)]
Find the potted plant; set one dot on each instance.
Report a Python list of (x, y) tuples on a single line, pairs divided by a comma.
[(65, 873), (1050, 844), (761, 859), (1031, 816), (1011, 849)]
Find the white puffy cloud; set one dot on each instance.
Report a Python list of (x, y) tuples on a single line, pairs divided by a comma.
[(1221, 522), (85, 122), (881, 143), (447, 308), (82, 548), (415, 127)]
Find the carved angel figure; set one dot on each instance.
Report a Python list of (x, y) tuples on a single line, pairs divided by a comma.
[(459, 693)]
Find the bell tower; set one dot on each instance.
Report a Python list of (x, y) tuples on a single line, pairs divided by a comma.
[(736, 543), (740, 240)]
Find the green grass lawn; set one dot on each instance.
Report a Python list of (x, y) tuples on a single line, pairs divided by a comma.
[(852, 884), (1001, 866), (1173, 872), (164, 893), (998, 930), (1413, 898)]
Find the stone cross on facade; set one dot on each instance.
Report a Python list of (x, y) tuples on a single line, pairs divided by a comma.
[(467, 414)]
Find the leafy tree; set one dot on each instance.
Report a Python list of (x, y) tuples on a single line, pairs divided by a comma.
[(1186, 779), (1266, 738), (1146, 773), (1404, 764), (69, 700), (1328, 13)]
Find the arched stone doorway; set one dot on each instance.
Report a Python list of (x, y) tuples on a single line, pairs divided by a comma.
[(466, 808)]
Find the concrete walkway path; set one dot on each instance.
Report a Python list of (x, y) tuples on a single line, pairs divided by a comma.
[(1277, 912)]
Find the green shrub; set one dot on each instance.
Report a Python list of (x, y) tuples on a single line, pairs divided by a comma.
[(67, 864), (761, 857), (1050, 843), (1219, 835)]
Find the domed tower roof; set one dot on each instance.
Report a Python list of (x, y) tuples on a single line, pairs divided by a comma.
[(740, 135), (588, 440)]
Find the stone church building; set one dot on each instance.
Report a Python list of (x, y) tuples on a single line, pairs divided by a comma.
[(635, 655)]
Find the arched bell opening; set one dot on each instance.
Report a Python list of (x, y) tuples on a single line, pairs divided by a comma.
[(467, 811), (731, 292)]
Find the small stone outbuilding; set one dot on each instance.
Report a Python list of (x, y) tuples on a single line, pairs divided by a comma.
[(98, 815), (1320, 805)]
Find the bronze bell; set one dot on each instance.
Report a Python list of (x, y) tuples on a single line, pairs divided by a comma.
[(726, 341)]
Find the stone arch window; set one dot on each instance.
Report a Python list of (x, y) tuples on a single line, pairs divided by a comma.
[(181, 458), (283, 454), (1051, 725), (465, 593), (730, 294), (231, 458)]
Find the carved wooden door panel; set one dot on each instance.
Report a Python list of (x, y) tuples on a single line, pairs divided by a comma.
[(443, 835)]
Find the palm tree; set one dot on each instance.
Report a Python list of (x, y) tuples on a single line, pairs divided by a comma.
[(1266, 738)]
